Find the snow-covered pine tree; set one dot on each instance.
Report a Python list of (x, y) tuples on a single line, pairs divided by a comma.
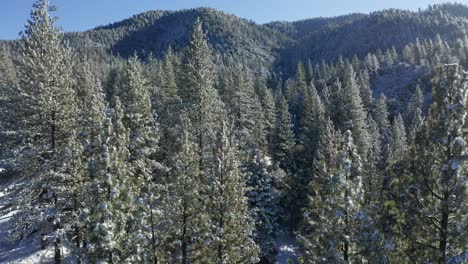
[(315, 231), (363, 81), (398, 146), (198, 95), (283, 141), (263, 203), (140, 122), (269, 111), (231, 223), (247, 113), (435, 187), (353, 109), (7, 68), (8, 100), (47, 123), (168, 90), (416, 102), (311, 122), (380, 115), (105, 197), (166, 102), (295, 90), (185, 225), (90, 116), (335, 217)]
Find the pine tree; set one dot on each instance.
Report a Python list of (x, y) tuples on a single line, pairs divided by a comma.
[(248, 115), (199, 96), (269, 112), (335, 214), (9, 99), (352, 109), (349, 170), (373, 165), (263, 200), (365, 89), (415, 105), (109, 186), (433, 227), (398, 147), (380, 115), (168, 94), (91, 114), (7, 68), (314, 234), (233, 228), (139, 120), (312, 121), (295, 90), (46, 119), (283, 138), (186, 218)]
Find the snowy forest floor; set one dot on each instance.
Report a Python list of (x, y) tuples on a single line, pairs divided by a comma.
[(287, 248), (23, 252), (28, 250)]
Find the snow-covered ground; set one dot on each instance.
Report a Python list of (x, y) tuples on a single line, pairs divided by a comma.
[(24, 252), (29, 252), (287, 248)]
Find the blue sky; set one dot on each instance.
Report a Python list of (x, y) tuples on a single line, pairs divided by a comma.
[(78, 15)]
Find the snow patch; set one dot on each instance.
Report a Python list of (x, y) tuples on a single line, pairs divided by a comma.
[(287, 248)]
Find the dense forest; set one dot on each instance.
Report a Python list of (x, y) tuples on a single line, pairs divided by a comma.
[(195, 136)]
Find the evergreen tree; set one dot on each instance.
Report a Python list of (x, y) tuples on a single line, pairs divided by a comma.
[(263, 205), (46, 120), (168, 94), (233, 228), (7, 68), (365, 89), (415, 105), (380, 115), (334, 226), (434, 190), (397, 148), (352, 109), (267, 101), (139, 121), (9, 99), (198, 94), (186, 220), (312, 122), (248, 114), (283, 138), (314, 235), (109, 186)]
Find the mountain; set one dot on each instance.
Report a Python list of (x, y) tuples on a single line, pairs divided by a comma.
[(154, 31), (327, 39), (277, 44)]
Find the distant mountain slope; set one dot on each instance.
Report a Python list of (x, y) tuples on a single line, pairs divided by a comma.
[(154, 31), (360, 34), (276, 45)]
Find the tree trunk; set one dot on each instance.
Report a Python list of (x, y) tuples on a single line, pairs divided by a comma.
[(153, 236), (346, 243), (77, 231), (443, 229), (58, 253), (184, 233)]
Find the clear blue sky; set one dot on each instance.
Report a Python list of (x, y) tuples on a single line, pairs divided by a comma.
[(78, 15)]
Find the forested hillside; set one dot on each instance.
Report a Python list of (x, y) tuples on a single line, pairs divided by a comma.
[(195, 136)]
